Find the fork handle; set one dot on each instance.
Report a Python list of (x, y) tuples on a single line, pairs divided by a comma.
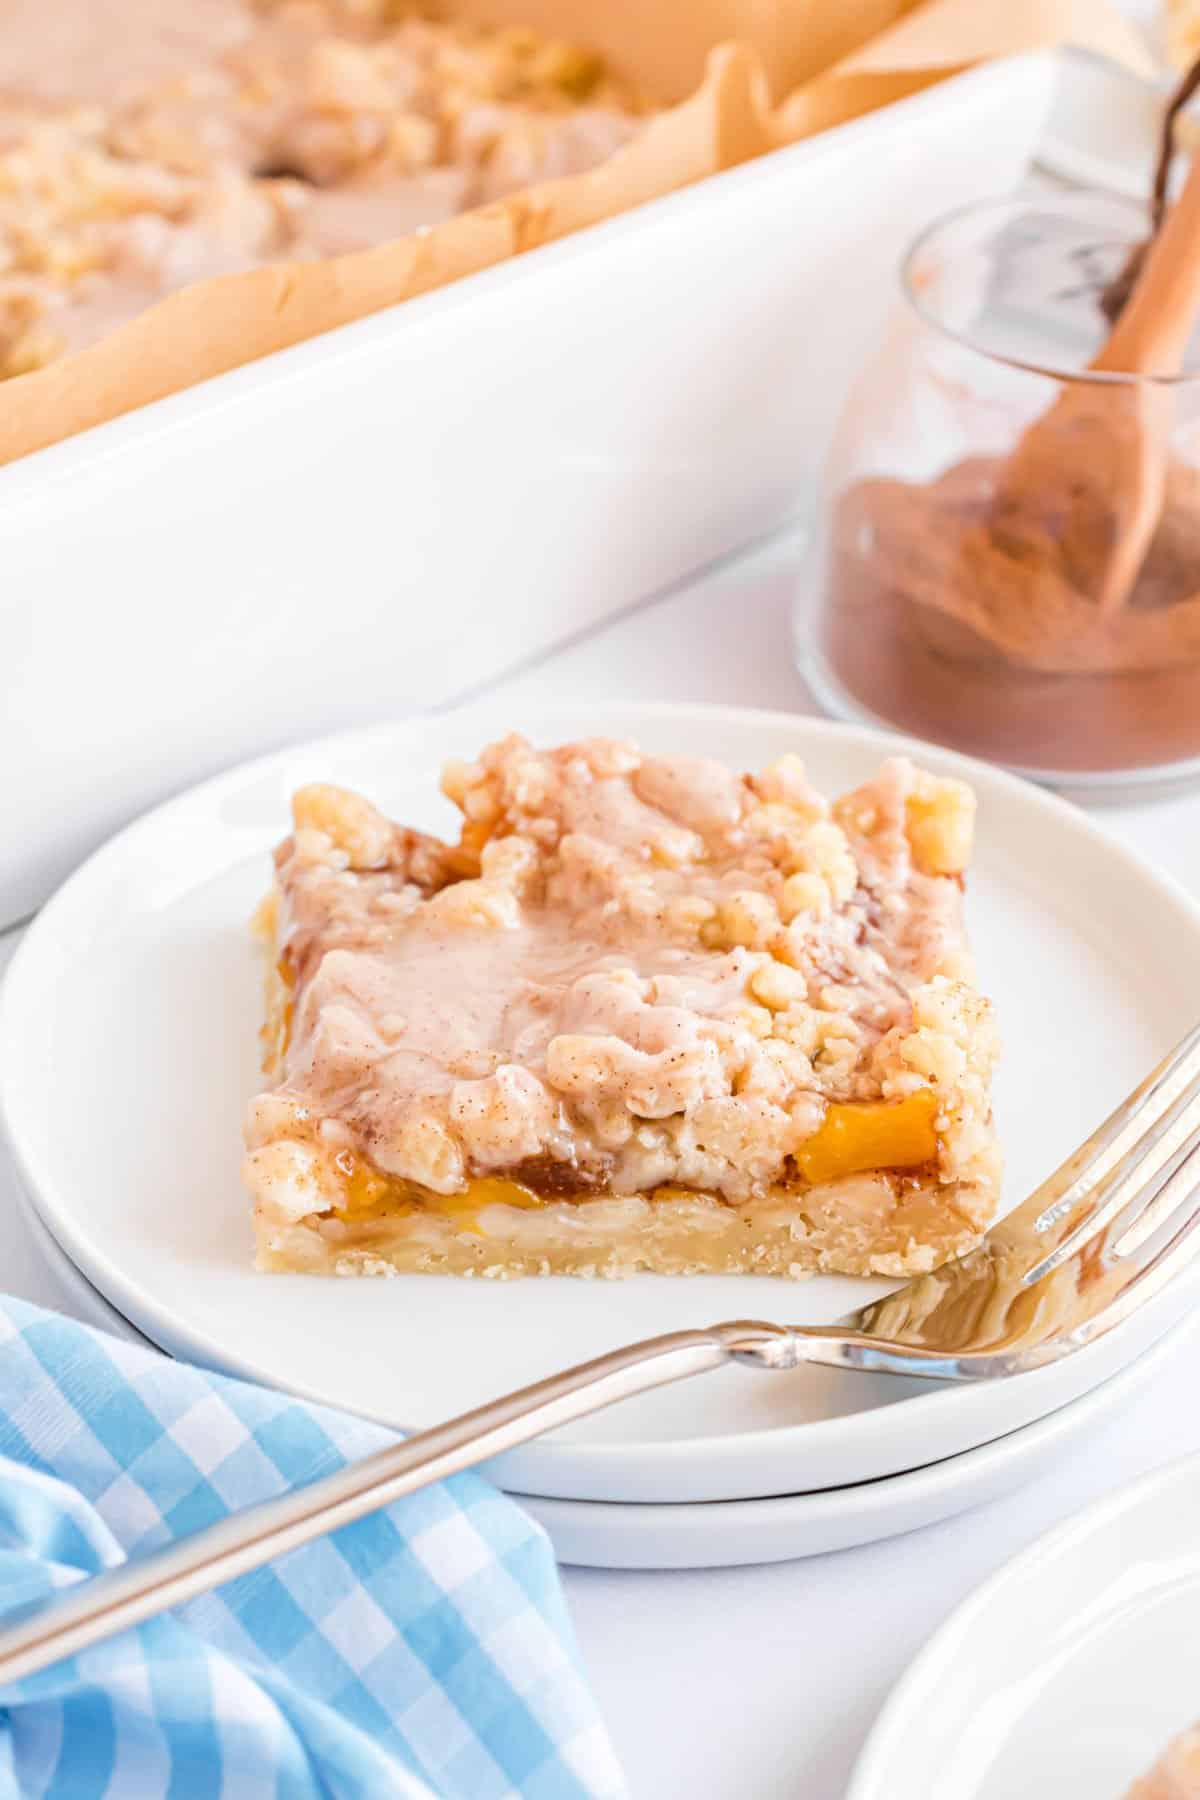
[(100, 1607)]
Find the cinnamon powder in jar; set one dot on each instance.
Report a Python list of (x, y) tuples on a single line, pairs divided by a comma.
[(1003, 654), (945, 616)]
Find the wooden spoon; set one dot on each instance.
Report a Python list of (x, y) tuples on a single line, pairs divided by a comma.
[(1087, 480)]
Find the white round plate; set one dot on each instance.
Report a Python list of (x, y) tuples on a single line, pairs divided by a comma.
[(128, 1037), (731, 1533), (1066, 1673)]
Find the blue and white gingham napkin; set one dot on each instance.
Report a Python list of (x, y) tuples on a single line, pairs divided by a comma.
[(425, 1650)]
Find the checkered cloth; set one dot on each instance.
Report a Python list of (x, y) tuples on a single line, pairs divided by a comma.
[(425, 1650)]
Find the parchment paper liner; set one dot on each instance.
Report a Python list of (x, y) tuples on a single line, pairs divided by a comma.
[(849, 60)]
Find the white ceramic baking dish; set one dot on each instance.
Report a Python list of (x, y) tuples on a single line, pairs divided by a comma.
[(382, 518)]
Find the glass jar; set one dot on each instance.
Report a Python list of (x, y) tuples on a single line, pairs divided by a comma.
[(947, 595)]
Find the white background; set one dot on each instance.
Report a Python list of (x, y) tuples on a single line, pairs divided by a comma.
[(753, 1684)]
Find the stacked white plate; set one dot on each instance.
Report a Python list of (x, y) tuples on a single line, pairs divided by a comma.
[(127, 1050)]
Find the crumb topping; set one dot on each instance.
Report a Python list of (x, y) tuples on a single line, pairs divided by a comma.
[(632, 971)]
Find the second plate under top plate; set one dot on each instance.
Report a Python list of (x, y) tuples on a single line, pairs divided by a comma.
[(733, 1533)]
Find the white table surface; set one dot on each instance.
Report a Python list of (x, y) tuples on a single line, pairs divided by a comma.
[(752, 1684)]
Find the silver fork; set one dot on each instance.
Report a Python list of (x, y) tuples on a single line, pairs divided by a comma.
[(1106, 1232)]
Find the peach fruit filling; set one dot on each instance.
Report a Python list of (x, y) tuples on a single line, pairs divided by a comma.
[(853, 1138), (859, 1135), (370, 1195)]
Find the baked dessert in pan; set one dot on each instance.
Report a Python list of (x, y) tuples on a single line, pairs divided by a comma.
[(145, 149)]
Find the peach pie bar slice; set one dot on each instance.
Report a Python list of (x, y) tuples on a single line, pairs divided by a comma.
[(646, 1014)]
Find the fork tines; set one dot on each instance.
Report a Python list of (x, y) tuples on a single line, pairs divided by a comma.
[(1150, 1135)]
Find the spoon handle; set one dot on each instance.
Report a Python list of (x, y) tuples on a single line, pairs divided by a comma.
[(1156, 322)]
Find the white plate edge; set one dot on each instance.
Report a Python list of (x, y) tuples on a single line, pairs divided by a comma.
[(871, 1778)]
